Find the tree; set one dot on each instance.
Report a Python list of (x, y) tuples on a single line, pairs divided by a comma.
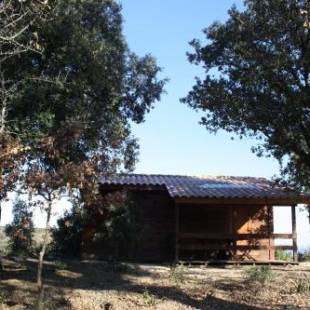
[(21, 229), (113, 227), (17, 38), (67, 235), (257, 82), (73, 110)]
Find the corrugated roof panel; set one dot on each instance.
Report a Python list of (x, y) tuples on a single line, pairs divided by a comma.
[(204, 187)]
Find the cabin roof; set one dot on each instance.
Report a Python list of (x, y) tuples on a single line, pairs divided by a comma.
[(179, 186)]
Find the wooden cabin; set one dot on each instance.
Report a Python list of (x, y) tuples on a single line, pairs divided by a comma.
[(185, 218)]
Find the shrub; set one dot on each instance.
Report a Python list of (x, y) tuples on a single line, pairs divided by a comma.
[(67, 236), (60, 265), (21, 229), (3, 297), (259, 274), (119, 231), (148, 298), (305, 256), (110, 228), (283, 255), (3, 242), (302, 285), (177, 274)]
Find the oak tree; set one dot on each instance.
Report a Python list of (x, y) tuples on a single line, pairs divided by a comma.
[(74, 109), (17, 38), (257, 81)]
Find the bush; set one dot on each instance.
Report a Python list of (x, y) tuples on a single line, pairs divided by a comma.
[(305, 256), (120, 230), (303, 285), (177, 274), (259, 274), (21, 229), (67, 236), (283, 255), (60, 265), (110, 228), (148, 298), (3, 297)]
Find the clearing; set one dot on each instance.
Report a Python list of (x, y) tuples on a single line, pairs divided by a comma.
[(101, 285)]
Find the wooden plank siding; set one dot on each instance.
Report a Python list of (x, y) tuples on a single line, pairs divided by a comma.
[(173, 230), (226, 232), (155, 237)]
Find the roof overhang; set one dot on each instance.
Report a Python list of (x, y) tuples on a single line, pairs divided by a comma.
[(209, 190), (274, 201)]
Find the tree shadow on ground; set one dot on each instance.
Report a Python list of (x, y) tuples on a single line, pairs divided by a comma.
[(19, 283)]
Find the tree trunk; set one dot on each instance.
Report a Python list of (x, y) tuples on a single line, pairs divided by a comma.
[(3, 102), (41, 255), (3, 117)]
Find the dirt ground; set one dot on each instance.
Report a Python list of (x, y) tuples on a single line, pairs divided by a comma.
[(98, 285)]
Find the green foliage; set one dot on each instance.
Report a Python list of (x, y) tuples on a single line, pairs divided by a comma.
[(67, 235), (3, 242), (3, 297), (283, 255), (259, 274), (303, 285), (148, 298), (84, 88), (257, 80), (114, 224), (73, 103), (305, 256), (177, 274), (20, 231), (60, 265), (121, 227)]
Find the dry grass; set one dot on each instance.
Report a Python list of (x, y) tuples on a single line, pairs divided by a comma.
[(99, 285)]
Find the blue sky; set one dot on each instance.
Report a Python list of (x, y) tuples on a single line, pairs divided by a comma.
[(171, 139)]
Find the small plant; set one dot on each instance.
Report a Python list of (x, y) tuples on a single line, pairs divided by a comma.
[(3, 297), (305, 256), (303, 285), (148, 298), (177, 274), (283, 255), (60, 265), (259, 274)]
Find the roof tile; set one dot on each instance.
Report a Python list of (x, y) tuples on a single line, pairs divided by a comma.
[(205, 187)]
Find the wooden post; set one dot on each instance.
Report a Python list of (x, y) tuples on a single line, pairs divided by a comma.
[(294, 233), (177, 228), (232, 253), (270, 228), (230, 227)]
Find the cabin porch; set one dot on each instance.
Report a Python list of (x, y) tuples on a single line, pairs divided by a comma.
[(228, 232)]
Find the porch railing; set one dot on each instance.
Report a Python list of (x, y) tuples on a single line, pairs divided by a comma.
[(231, 240)]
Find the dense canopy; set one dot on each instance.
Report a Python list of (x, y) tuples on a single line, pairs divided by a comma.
[(85, 77), (256, 82)]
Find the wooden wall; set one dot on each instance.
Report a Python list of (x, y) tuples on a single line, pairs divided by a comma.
[(204, 232), (154, 240), (256, 221)]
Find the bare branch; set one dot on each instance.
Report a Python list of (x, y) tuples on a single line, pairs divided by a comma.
[(15, 35)]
